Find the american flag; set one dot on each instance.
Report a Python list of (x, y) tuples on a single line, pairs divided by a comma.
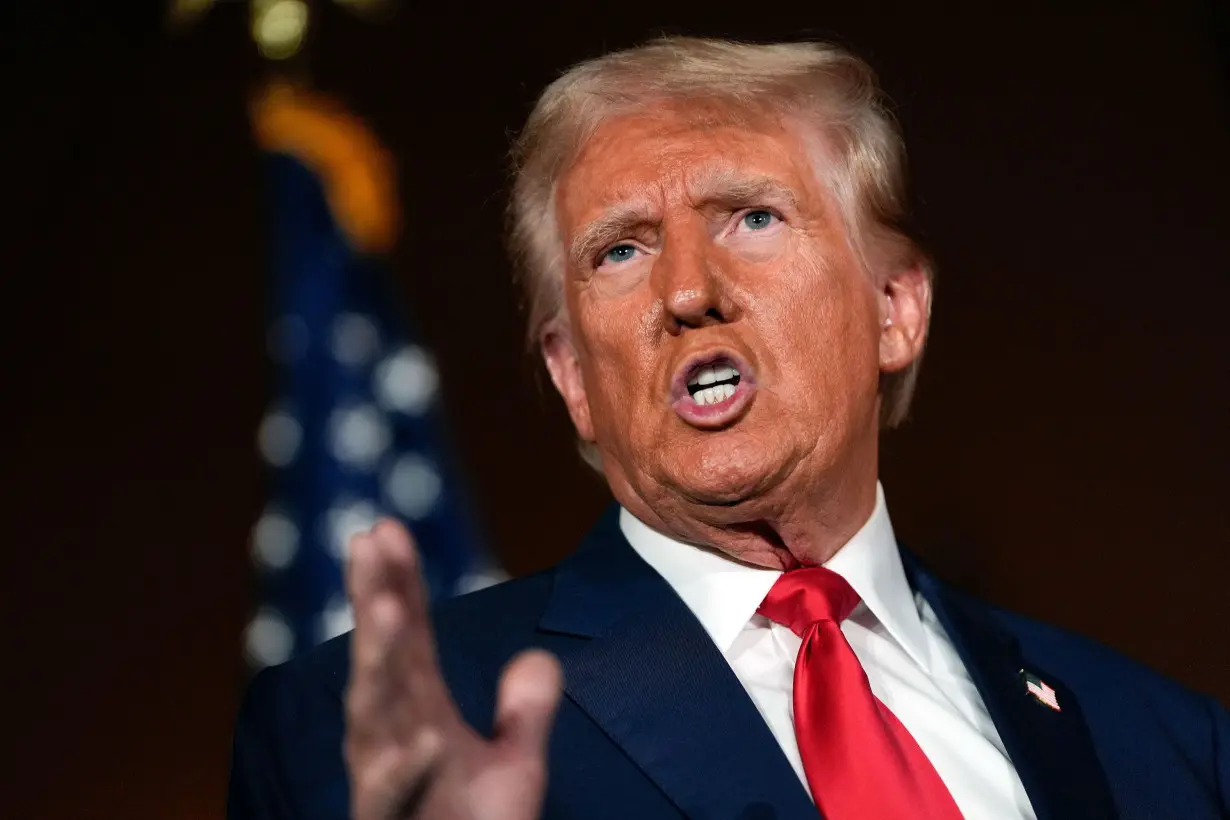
[(354, 430), (1041, 691)]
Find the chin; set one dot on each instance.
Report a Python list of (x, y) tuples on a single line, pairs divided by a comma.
[(728, 469)]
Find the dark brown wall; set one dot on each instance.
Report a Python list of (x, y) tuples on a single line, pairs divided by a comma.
[(1067, 456)]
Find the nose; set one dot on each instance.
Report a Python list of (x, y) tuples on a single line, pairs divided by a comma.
[(691, 285)]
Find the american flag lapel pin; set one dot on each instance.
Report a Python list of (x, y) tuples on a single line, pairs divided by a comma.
[(1042, 693)]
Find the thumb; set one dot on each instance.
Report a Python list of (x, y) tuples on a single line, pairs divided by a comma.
[(525, 706)]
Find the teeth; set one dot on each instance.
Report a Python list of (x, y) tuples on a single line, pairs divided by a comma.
[(714, 395), (712, 373)]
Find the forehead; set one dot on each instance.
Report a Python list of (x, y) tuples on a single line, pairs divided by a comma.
[(679, 153)]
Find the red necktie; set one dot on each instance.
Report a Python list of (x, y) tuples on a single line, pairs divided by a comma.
[(859, 760)]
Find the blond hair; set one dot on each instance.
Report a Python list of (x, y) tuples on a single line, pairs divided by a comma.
[(821, 84)]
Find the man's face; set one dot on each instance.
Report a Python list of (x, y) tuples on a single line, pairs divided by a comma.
[(722, 345)]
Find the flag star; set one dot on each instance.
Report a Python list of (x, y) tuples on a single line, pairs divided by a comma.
[(268, 639), (279, 437), (337, 618), (275, 540), (359, 435), (413, 486), (356, 339), (406, 381), (345, 521)]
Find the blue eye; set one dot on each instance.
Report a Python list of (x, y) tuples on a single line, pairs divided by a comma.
[(619, 253), (758, 220)]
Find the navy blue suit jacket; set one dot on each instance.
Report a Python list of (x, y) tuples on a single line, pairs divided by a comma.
[(654, 724)]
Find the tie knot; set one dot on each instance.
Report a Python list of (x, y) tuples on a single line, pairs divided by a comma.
[(802, 597)]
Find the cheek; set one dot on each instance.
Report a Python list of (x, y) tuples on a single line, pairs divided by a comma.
[(821, 338), (617, 363)]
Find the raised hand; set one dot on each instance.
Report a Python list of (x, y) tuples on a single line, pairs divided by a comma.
[(409, 753)]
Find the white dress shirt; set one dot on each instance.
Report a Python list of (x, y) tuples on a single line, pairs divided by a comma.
[(910, 662)]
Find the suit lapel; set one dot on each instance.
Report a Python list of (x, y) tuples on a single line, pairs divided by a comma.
[(652, 679), (1052, 750)]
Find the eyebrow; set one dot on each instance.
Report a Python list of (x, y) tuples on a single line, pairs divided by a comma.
[(613, 225), (747, 191), (722, 189)]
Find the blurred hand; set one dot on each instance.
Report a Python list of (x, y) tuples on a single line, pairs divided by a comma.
[(409, 753)]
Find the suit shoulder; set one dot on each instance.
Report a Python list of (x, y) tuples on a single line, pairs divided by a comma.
[(287, 741), (478, 633), (1148, 728), (285, 697), (289, 731), (505, 613), (499, 611)]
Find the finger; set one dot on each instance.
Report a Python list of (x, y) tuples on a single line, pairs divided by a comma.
[(528, 696), (362, 578), (370, 690), (376, 700), (394, 782), (378, 613), (383, 584), (398, 554), (417, 645), (395, 672), (380, 559)]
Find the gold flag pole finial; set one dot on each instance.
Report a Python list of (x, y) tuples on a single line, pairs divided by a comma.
[(278, 27), (289, 117), (183, 14)]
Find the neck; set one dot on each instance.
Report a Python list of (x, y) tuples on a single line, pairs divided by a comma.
[(801, 524)]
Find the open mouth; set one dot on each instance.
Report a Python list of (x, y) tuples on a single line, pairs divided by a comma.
[(713, 391), (713, 383)]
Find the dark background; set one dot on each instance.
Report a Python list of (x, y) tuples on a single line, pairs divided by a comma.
[(1067, 455)]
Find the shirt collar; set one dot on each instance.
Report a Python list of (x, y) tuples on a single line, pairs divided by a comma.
[(724, 594)]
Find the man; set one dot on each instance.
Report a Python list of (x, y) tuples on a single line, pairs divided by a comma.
[(712, 241)]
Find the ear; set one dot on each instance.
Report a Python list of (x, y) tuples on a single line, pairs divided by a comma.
[(905, 313), (564, 365)]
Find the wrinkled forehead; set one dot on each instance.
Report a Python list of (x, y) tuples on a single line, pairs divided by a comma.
[(686, 153)]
